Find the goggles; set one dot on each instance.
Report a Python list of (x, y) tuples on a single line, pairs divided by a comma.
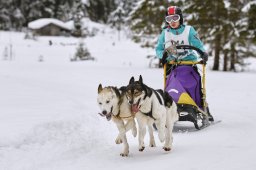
[(172, 18)]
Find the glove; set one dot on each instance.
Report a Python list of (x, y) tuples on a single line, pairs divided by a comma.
[(205, 57), (165, 56), (172, 49)]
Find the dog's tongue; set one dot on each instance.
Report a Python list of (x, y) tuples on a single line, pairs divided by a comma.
[(135, 108), (108, 116)]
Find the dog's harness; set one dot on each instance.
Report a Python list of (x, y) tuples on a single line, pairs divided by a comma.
[(149, 93), (119, 103), (150, 113), (158, 96), (125, 117)]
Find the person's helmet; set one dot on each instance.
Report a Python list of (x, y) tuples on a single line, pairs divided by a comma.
[(171, 10)]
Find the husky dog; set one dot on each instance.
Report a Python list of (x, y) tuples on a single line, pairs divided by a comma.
[(114, 105), (152, 106)]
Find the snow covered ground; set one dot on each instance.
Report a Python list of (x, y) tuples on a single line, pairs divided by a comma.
[(49, 120)]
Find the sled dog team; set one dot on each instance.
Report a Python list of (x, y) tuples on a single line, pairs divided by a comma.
[(147, 105)]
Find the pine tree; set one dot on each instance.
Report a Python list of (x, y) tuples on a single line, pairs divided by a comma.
[(251, 37), (99, 10), (117, 19), (18, 19), (252, 23), (63, 10), (48, 8), (5, 15), (82, 53), (146, 21), (237, 33), (78, 14), (34, 11), (18, 13), (127, 6), (208, 17)]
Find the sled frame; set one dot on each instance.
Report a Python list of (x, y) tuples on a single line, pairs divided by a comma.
[(204, 111)]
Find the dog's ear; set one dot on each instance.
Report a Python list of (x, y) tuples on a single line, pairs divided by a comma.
[(131, 80), (141, 80), (122, 89), (100, 88)]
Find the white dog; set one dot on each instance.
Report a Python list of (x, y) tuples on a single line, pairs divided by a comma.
[(114, 105), (152, 106)]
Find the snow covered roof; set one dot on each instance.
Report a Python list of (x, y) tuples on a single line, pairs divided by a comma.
[(40, 23), (86, 23)]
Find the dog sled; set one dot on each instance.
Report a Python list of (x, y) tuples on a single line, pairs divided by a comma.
[(186, 85)]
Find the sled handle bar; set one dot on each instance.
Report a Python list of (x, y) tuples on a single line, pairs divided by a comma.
[(185, 62), (190, 47)]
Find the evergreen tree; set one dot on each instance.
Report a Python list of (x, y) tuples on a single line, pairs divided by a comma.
[(18, 19), (48, 8), (252, 22), (63, 12), (122, 12), (208, 17), (146, 21), (78, 13), (17, 13), (35, 10), (127, 6), (25, 8), (237, 33), (117, 19), (251, 38), (5, 19), (99, 10), (82, 53)]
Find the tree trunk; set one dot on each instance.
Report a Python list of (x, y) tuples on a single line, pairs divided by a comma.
[(232, 58), (56, 8), (217, 52), (225, 63)]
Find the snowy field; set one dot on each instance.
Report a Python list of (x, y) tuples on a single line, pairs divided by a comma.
[(49, 120)]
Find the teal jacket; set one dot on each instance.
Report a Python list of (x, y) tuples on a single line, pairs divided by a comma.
[(193, 40)]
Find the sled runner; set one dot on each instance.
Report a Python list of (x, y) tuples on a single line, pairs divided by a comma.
[(186, 86), (185, 128)]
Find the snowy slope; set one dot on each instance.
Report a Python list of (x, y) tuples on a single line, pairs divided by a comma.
[(49, 120)]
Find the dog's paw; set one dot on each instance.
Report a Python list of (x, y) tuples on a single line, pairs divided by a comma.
[(124, 154), (141, 149), (167, 148), (152, 144), (118, 140)]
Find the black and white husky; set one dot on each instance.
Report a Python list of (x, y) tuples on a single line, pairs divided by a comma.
[(114, 105), (152, 106)]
